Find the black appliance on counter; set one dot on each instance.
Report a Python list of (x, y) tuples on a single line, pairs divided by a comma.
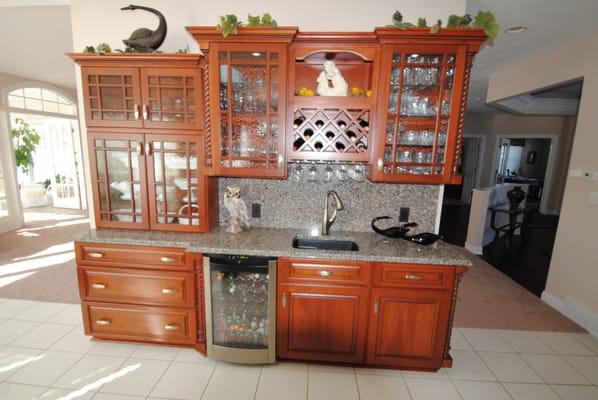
[(240, 294)]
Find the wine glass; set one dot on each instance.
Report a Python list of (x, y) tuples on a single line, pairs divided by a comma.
[(328, 173), (342, 173), (312, 175), (297, 172)]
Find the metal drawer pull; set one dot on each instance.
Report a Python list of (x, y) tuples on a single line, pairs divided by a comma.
[(99, 285), (167, 259), (412, 277), (284, 300), (376, 306), (103, 322), (325, 273), (169, 291), (171, 327), (136, 111), (148, 149), (145, 111), (95, 255)]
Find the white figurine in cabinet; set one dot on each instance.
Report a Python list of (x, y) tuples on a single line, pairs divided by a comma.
[(239, 219), (331, 81)]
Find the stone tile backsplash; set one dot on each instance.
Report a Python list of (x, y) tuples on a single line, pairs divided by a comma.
[(292, 204)]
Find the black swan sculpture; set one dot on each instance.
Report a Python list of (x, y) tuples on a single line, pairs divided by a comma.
[(144, 39)]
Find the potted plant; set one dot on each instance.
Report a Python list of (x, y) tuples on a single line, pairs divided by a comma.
[(25, 140)]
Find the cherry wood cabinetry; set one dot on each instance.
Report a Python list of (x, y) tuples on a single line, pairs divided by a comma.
[(377, 314), (145, 294)]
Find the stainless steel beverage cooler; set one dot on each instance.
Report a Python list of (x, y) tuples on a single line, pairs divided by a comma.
[(240, 293)]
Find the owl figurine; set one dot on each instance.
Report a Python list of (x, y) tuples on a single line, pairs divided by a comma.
[(239, 219)]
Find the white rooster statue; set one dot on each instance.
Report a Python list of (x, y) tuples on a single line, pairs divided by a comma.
[(239, 220)]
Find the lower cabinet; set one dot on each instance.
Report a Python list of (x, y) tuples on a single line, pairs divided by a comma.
[(322, 323), (408, 327)]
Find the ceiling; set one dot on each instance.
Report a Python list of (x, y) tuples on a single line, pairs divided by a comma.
[(550, 24), (35, 39)]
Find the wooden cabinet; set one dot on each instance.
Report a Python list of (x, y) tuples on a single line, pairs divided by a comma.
[(377, 314), (322, 323), (135, 97), (151, 181), (408, 327), (422, 96)]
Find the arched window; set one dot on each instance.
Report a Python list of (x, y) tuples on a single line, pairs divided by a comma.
[(40, 99)]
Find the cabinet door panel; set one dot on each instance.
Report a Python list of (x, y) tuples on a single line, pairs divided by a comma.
[(177, 188), (408, 327), (322, 323), (248, 108), (112, 97), (118, 178), (172, 98)]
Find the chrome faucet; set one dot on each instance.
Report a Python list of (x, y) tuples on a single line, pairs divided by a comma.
[(327, 222)]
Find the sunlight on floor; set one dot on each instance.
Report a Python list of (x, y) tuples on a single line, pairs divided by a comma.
[(20, 363), (102, 381)]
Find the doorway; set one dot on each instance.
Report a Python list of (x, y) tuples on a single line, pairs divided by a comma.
[(469, 168)]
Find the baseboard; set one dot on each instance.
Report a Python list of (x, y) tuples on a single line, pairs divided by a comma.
[(472, 248), (575, 311)]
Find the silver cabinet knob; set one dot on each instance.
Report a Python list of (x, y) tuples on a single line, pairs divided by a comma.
[(99, 285), (412, 277), (325, 273), (103, 322), (167, 259), (168, 291), (171, 327), (136, 111), (95, 255)]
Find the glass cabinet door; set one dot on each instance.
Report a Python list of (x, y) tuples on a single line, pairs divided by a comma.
[(251, 110), (118, 175), (418, 111), (171, 98), (112, 97), (176, 186)]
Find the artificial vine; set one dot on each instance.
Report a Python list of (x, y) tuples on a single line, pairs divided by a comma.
[(483, 19), (25, 140), (229, 23)]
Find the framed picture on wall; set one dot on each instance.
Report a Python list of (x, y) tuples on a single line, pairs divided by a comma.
[(531, 157)]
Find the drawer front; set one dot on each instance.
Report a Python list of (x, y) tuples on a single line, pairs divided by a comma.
[(327, 272), (413, 275), (139, 323), (132, 256), (137, 286)]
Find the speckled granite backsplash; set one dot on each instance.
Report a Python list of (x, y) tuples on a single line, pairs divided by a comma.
[(291, 204)]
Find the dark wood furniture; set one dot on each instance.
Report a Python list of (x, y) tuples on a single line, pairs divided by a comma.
[(376, 314), (519, 218), (144, 294)]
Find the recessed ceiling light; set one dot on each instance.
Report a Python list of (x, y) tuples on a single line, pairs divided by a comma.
[(516, 29)]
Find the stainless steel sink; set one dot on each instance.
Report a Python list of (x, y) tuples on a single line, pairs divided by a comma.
[(324, 243)]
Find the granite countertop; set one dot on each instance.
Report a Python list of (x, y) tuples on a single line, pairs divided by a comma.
[(275, 242)]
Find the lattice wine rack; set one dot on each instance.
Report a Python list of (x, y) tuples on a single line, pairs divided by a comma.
[(330, 133)]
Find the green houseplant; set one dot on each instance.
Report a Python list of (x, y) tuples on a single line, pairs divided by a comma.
[(25, 140)]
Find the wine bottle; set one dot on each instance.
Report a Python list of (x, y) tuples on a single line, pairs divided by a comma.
[(330, 135), (318, 145), (339, 146), (342, 124), (319, 124), (308, 133), (297, 122), (351, 135), (298, 143), (364, 124)]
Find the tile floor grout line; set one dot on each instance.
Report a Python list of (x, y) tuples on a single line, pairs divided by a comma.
[(356, 383), (203, 392), (258, 382)]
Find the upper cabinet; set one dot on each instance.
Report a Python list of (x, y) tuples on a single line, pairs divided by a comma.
[(247, 99), (135, 91)]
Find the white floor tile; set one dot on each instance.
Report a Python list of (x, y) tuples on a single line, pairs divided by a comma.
[(14, 358), (62, 394), (337, 369), (458, 341), (486, 340), (41, 312), (301, 366), (588, 340), (13, 329), (431, 389), (525, 342), (565, 343), (113, 349), (331, 386), (71, 315), (510, 367), (527, 391), (150, 352), (185, 381), (481, 390), (588, 366), (469, 367), (3, 299), (75, 341), (440, 374), (232, 382), (91, 370), (379, 387), (555, 369), (46, 370), (12, 307), (191, 355), (138, 379), (282, 383), (43, 336), (379, 371), (14, 391), (111, 396), (571, 392)]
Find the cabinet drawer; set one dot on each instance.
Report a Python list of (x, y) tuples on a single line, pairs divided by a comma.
[(328, 272), (137, 286), (140, 323), (132, 256), (414, 275)]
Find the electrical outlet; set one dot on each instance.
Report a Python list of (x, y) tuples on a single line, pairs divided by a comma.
[(404, 214), (256, 210)]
